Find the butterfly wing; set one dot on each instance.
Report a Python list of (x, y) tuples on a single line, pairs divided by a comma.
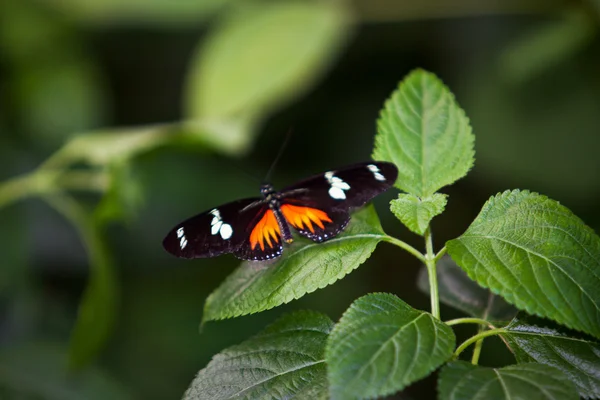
[(263, 238), (319, 207), (221, 230)]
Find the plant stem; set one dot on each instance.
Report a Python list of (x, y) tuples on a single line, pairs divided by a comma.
[(96, 181), (475, 338), (469, 321), (40, 182), (405, 246), (440, 254), (432, 273), (477, 349), (24, 186)]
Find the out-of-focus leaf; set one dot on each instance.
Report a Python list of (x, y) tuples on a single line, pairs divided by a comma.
[(55, 88), (286, 360), (118, 145), (81, 99), (151, 12), (27, 30), (303, 268), (416, 213), (457, 290), (262, 56), (122, 197), (97, 308), (426, 134), (463, 381), (533, 340), (538, 255), (381, 345), (39, 371), (230, 136), (544, 47)]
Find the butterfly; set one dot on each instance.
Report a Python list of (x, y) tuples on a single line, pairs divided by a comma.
[(318, 208)]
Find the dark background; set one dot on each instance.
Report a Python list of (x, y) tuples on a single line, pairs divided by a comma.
[(526, 73)]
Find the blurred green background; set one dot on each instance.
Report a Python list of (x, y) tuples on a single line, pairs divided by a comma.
[(126, 117)]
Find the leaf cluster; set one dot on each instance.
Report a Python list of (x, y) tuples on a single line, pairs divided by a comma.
[(524, 255)]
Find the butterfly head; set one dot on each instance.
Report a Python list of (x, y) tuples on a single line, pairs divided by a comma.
[(267, 190)]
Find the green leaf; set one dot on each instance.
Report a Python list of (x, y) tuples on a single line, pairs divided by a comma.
[(537, 255), (107, 146), (416, 213), (39, 371), (457, 290), (426, 134), (577, 357), (303, 268), (381, 345), (463, 381), (262, 56), (284, 361)]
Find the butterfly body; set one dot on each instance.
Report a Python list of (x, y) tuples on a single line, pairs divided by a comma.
[(256, 228)]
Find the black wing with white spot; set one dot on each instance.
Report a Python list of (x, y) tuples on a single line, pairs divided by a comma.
[(345, 188), (321, 204), (223, 229)]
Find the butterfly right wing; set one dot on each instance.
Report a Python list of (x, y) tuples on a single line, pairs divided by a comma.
[(221, 230)]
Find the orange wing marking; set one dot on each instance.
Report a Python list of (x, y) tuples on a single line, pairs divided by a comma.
[(301, 217), (265, 230)]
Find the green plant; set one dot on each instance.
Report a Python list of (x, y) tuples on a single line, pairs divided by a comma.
[(528, 250)]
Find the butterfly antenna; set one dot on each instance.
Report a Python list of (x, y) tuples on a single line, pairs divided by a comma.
[(244, 171), (286, 141)]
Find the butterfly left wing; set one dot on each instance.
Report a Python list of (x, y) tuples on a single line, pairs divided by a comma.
[(220, 230), (319, 207)]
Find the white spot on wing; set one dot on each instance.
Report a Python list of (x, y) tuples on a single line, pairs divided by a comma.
[(337, 193), (218, 226), (182, 239), (338, 186), (226, 231), (376, 172)]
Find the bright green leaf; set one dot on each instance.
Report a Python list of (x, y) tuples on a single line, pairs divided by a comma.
[(463, 381), (457, 290), (39, 371), (537, 255), (426, 134), (577, 357), (303, 268), (416, 213), (263, 55), (381, 345), (284, 361)]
